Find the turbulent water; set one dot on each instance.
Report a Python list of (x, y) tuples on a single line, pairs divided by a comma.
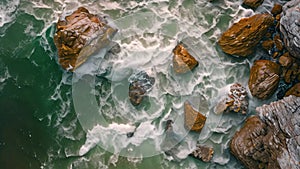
[(51, 118)]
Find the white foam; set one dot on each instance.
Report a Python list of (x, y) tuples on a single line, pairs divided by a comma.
[(8, 11)]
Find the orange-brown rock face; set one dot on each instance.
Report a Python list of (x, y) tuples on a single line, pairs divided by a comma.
[(78, 36), (183, 61), (193, 120), (253, 3), (295, 90), (264, 78), (242, 37)]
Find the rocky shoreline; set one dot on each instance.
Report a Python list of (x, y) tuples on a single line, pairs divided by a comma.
[(269, 139)]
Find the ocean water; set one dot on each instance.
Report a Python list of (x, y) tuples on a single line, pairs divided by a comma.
[(51, 118)]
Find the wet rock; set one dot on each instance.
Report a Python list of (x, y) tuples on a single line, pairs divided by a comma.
[(242, 37), (253, 3), (268, 44), (290, 68), (290, 27), (295, 90), (270, 139), (277, 9), (264, 78), (139, 84), (203, 153), (235, 101), (183, 61), (278, 43), (79, 35), (193, 120)]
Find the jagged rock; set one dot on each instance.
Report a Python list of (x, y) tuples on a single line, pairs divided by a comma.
[(79, 35), (264, 78), (295, 90), (290, 27), (235, 101), (242, 37), (278, 42), (290, 68), (139, 84), (253, 3), (193, 120), (277, 9), (271, 139), (183, 61), (203, 153)]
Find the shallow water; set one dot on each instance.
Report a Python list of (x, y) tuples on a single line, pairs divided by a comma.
[(54, 119)]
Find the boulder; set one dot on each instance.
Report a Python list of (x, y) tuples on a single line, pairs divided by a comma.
[(294, 90), (271, 139), (264, 78), (290, 27), (253, 3), (203, 153), (242, 37), (236, 100), (290, 68), (79, 35), (193, 120), (277, 9), (139, 84), (183, 61)]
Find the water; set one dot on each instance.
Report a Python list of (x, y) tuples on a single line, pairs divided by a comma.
[(55, 119)]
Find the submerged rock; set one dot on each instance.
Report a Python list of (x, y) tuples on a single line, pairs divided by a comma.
[(235, 101), (264, 78), (193, 120), (79, 35), (253, 3), (183, 61), (242, 37), (203, 153), (290, 27), (139, 84), (294, 90), (270, 139)]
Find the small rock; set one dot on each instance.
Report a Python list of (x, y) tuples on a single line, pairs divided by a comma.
[(285, 60), (277, 9), (264, 78), (203, 153), (242, 37), (194, 120), (253, 3), (278, 42), (183, 61), (139, 84), (295, 90), (268, 44)]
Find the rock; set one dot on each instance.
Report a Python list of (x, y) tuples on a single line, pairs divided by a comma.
[(253, 3), (79, 35), (285, 60), (242, 37), (193, 120), (235, 101), (295, 90), (277, 9), (290, 68), (264, 78), (278, 42), (271, 139), (183, 61), (290, 27), (203, 153), (268, 44), (139, 84)]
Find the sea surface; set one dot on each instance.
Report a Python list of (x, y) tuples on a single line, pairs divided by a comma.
[(51, 118)]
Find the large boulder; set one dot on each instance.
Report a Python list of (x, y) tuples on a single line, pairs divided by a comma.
[(183, 61), (242, 37), (79, 35), (290, 27), (264, 78), (271, 139)]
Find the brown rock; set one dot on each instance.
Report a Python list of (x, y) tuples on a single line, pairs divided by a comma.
[(78, 36), (295, 90), (268, 44), (183, 61), (277, 9), (242, 37), (270, 140), (286, 60), (193, 119), (253, 3), (203, 153), (264, 78), (278, 42)]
